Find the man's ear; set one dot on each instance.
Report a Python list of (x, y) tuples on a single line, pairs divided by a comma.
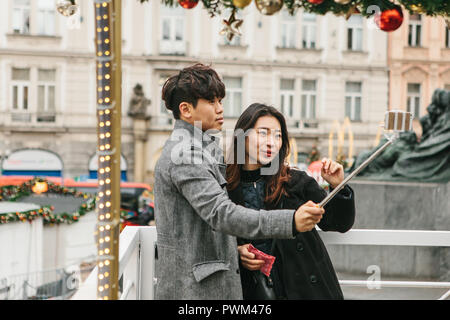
[(186, 110)]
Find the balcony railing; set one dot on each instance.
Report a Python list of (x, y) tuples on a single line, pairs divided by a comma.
[(391, 238), (137, 262), (172, 47), (304, 125), (34, 118)]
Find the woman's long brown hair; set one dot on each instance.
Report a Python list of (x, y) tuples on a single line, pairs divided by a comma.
[(275, 183)]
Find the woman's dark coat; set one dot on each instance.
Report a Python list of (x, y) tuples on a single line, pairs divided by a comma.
[(303, 263)]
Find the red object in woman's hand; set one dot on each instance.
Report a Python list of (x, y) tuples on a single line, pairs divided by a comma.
[(267, 258)]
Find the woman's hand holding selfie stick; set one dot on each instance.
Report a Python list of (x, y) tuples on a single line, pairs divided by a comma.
[(395, 122)]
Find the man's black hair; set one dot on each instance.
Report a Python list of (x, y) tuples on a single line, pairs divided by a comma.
[(192, 83)]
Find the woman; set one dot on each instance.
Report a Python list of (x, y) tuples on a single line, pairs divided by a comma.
[(302, 268)]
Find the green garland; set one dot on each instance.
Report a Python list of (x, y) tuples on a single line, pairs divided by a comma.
[(24, 216), (428, 7), (14, 193)]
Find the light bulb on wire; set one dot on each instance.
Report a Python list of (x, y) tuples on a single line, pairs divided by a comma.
[(67, 7)]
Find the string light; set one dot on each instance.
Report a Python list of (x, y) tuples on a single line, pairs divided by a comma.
[(106, 148)]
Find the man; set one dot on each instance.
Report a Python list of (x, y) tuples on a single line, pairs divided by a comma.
[(196, 221)]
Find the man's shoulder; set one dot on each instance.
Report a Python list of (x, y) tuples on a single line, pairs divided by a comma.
[(183, 152)]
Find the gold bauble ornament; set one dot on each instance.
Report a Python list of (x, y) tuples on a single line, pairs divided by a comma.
[(67, 7), (241, 4), (417, 9), (40, 187), (342, 1), (269, 7)]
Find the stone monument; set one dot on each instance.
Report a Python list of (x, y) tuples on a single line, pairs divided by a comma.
[(138, 104)]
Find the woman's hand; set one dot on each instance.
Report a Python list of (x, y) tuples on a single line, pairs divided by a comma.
[(332, 172), (248, 259)]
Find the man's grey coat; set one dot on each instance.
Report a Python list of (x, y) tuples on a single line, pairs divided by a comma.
[(197, 223)]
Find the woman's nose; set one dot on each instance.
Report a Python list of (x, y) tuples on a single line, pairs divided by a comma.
[(270, 140)]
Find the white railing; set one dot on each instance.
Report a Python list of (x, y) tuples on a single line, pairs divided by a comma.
[(391, 238), (40, 119), (137, 254)]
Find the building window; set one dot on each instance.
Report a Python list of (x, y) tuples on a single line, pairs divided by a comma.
[(232, 102), (413, 99), (415, 30), (236, 41), (447, 37), (288, 30), (20, 84), (164, 115), (162, 106), (355, 32), (353, 98), (46, 95), (287, 93), (21, 16), (46, 17), (309, 30), (309, 99), (172, 30)]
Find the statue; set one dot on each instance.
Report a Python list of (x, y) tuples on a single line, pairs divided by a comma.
[(138, 103), (424, 159), (314, 155)]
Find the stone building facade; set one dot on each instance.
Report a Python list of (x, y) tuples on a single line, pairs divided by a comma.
[(316, 69)]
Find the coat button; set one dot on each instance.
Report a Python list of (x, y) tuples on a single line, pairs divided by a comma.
[(300, 247), (313, 279)]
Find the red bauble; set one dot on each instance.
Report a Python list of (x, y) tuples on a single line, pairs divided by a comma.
[(316, 1), (389, 20), (188, 4)]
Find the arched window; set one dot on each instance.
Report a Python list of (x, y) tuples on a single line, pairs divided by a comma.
[(93, 167), (32, 162)]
